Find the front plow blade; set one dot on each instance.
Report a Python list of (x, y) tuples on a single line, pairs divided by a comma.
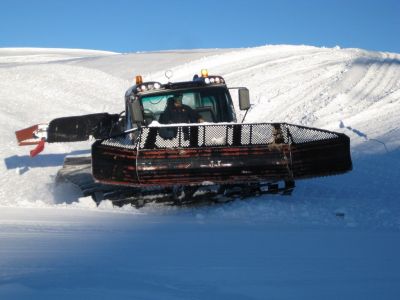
[(69, 129), (80, 128), (220, 153)]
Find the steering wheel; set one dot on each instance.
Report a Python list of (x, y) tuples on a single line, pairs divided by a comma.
[(148, 115)]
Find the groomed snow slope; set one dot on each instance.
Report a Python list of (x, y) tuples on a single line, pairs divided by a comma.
[(336, 237)]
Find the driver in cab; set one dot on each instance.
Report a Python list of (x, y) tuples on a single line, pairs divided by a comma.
[(176, 112)]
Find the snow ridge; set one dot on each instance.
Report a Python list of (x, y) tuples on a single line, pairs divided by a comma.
[(335, 237)]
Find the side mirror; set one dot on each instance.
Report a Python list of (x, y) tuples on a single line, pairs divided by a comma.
[(244, 99), (137, 114)]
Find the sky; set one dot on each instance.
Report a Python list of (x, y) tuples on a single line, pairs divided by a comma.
[(132, 26)]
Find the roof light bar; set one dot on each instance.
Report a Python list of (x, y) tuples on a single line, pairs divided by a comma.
[(146, 86), (207, 79)]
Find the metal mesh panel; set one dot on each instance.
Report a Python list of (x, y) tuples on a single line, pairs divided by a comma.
[(262, 134), (123, 141), (215, 135), (219, 135), (300, 134)]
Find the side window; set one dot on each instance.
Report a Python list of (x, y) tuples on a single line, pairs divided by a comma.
[(208, 101), (218, 102), (207, 108), (189, 99)]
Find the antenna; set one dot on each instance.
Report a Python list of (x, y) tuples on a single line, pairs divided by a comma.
[(169, 74)]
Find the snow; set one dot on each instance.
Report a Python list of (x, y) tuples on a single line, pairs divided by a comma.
[(334, 238)]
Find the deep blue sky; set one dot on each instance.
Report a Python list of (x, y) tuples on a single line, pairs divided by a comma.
[(130, 26)]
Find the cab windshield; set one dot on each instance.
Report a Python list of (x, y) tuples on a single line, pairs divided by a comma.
[(211, 105)]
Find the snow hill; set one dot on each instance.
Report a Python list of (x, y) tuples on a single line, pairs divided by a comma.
[(333, 235)]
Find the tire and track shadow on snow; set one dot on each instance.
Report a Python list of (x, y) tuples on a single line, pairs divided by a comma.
[(362, 135), (25, 162)]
